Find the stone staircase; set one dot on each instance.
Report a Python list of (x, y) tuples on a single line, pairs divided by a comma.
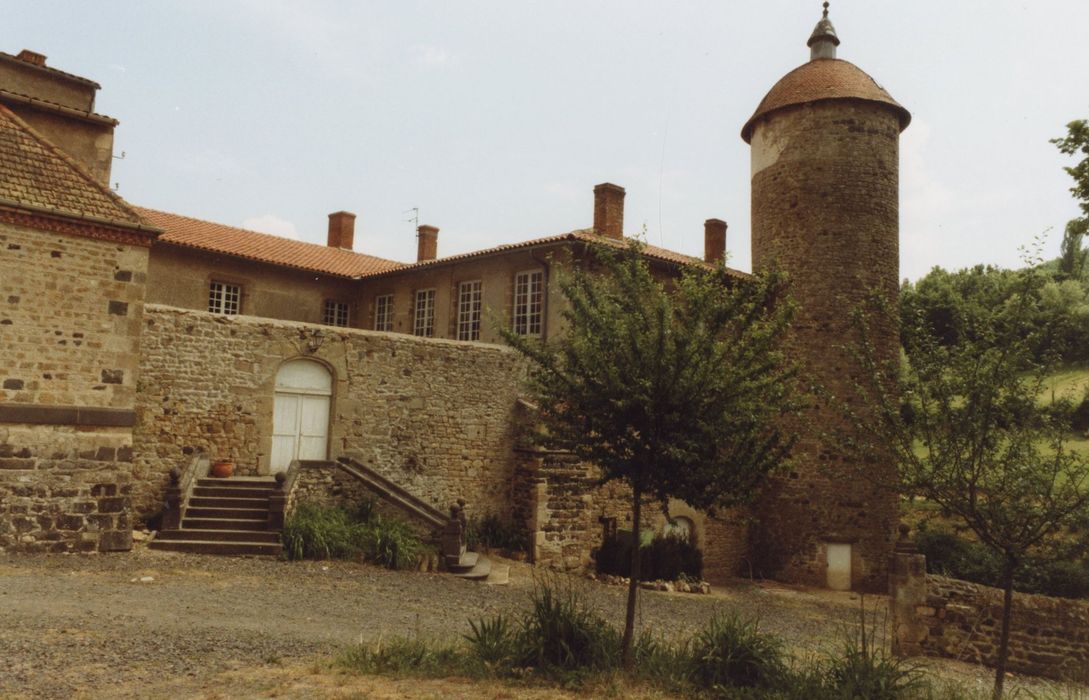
[(225, 516), (477, 567)]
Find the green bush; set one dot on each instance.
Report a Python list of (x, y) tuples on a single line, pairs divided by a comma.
[(495, 533), (560, 631), (665, 558), (314, 532), (732, 652), (317, 532), (1079, 417), (862, 669), (407, 657), (950, 555)]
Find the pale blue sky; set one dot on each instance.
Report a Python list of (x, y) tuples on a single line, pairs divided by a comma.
[(497, 118)]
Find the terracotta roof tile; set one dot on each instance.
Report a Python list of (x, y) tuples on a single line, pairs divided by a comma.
[(583, 235), (823, 79), (263, 247), (38, 175)]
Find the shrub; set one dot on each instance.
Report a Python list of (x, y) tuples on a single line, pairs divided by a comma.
[(317, 532), (665, 558), (314, 532), (561, 632), (495, 533), (390, 542), (1079, 417), (863, 669), (732, 652), (493, 640)]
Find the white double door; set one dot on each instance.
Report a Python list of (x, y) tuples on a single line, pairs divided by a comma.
[(300, 416)]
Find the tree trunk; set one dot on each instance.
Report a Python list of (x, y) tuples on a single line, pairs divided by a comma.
[(633, 585), (1004, 639)]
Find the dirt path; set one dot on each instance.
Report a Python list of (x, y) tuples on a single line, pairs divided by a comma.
[(157, 624)]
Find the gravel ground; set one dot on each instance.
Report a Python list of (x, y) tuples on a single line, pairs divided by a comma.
[(88, 626)]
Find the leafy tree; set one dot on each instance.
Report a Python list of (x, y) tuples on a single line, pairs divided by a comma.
[(1073, 257), (978, 443), (671, 388)]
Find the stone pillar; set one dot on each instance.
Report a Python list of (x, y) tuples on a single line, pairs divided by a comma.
[(907, 596)]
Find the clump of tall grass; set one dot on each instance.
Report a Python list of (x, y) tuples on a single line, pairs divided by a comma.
[(317, 532), (732, 652)]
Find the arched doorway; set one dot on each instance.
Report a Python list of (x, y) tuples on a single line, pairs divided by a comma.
[(300, 416)]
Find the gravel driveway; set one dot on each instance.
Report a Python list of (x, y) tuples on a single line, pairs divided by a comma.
[(96, 626)]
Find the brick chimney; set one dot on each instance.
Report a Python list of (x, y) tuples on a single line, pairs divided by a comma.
[(341, 230), (609, 210), (32, 57), (714, 240), (427, 243)]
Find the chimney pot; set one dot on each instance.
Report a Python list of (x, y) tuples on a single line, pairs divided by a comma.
[(32, 57), (341, 230), (427, 243), (609, 210), (714, 241)]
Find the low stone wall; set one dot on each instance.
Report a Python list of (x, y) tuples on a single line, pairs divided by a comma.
[(938, 616), (560, 500)]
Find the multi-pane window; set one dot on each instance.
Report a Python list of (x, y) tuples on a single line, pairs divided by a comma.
[(335, 313), (469, 298), (424, 313), (224, 298), (383, 313), (528, 302)]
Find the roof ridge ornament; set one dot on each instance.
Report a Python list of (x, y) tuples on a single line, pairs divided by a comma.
[(823, 41)]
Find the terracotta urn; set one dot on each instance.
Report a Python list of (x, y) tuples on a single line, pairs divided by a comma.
[(222, 469)]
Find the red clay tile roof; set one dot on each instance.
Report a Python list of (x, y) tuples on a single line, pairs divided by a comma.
[(583, 235), (18, 97), (36, 175), (262, 247), (823, 79)]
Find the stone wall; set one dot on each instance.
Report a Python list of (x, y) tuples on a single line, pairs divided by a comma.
[(938, 616), (436, 417), (561, 502), (70, 313)]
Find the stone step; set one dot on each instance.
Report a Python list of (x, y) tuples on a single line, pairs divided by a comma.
[(243, 513), (225, 502), (482, 566), (191, 523), (463, 564), (220, 535), (499, 575), (221, 548), (240, 482), (230, 492)]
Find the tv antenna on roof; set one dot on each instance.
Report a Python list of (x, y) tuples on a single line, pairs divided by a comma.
[(415, 218)]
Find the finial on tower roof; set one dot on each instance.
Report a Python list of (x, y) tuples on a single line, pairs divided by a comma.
[(823, 41)]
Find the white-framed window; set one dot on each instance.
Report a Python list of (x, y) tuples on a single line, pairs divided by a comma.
[(528, 302), (469, 301), (224, 298), (383, 312), (424, 314), (335, 313)]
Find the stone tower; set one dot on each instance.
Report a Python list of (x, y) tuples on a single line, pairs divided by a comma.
[(824, 209)]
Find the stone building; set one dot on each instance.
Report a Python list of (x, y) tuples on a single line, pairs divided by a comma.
[(135, 338)]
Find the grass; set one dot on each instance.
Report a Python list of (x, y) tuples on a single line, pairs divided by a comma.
[(559, 642), (317, 532)]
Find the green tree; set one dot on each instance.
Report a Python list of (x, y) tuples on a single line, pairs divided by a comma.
[(1073, 257), (671, 388), (977, 441)]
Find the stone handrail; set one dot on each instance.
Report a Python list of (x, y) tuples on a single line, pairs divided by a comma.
[(278, 501), (181, 487), (393, 493)]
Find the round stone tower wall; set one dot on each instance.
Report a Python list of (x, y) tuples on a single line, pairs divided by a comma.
[(825, 210)]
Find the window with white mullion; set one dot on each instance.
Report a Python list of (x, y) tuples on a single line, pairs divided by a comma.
[(528, 303), (424, 315), (469, 304), (383, 313), (335, 313), (224, 298)]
